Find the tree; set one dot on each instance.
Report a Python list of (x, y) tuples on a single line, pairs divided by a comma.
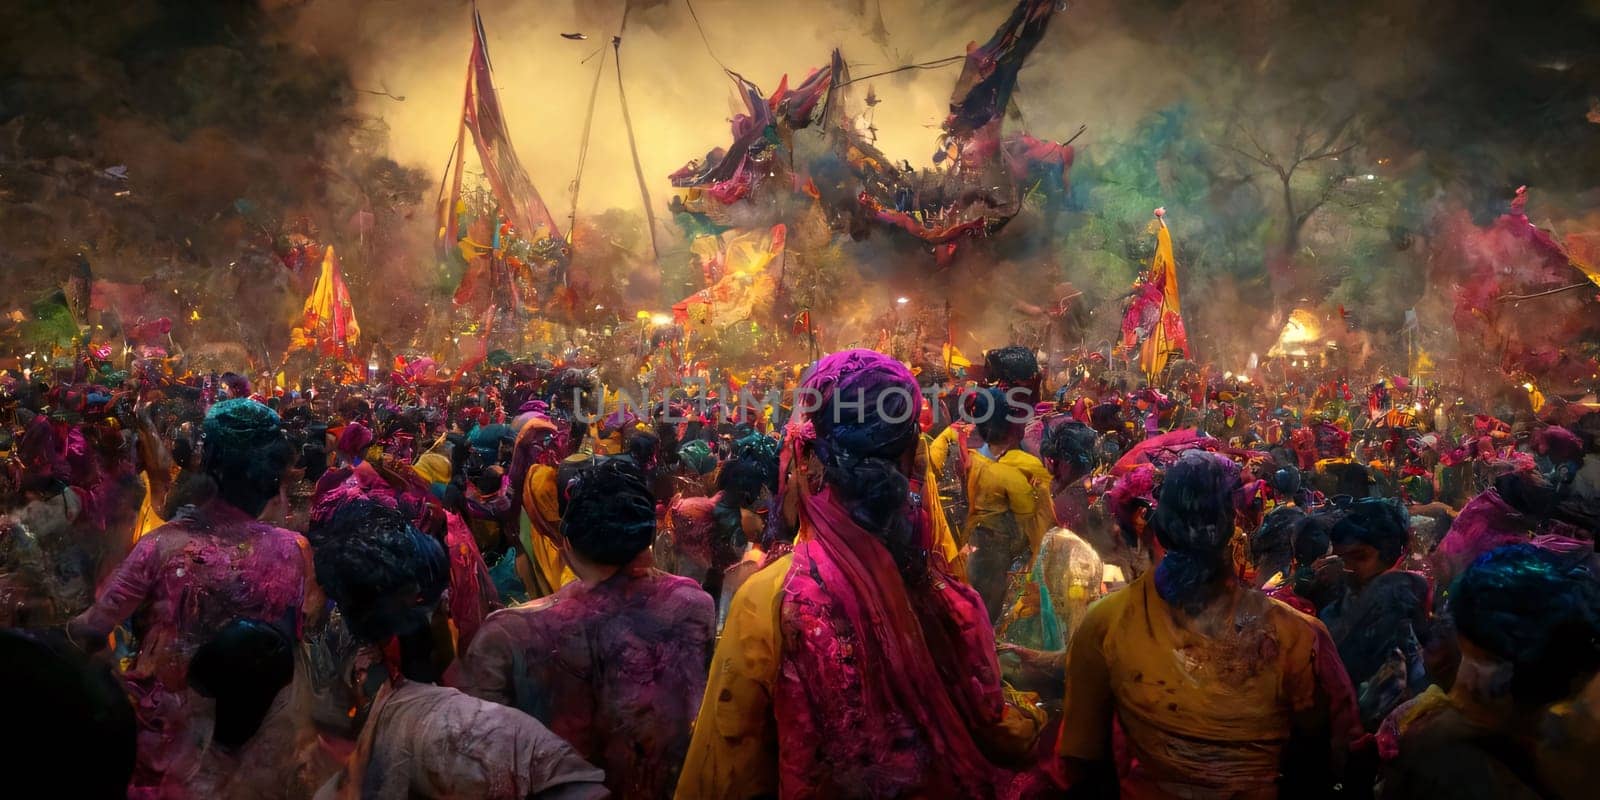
[(1306, 147), (1214, 210)]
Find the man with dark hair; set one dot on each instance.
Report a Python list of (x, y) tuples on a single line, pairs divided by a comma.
[(242, 668), (614, 662), (1068, 452), (1380, 619), (710, 535), (1528, 623), (418, 739), (1271, 546), (187, 579), (262, 744)]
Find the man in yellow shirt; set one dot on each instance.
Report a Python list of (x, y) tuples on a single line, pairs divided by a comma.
[(1009, 509)]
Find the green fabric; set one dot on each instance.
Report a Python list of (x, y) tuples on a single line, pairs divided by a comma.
[(241, 423), (696, 455)]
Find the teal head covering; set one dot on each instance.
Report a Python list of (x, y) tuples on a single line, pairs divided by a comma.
[(240, 424), (696, 455), (758, 446)]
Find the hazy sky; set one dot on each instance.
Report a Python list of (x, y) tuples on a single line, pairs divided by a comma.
[(679, 97)]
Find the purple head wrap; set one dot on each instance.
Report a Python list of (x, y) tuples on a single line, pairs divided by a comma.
[(868, 406)]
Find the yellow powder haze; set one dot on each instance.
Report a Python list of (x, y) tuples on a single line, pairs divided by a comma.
[(680, 100)]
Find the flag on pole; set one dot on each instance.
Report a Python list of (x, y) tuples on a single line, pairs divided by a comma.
[(953, 357), (482, 116), (328, 321), (1154, 320)]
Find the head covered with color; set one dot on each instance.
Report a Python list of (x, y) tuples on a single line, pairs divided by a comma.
[(1193, 520), (863, 431), (245, 452)]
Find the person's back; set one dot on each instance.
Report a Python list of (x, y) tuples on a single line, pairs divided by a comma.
[(185, 580), (50, 519), (1066, 577), (855, 666), (838, 733), (1207, 702), (614, 662), (263, 745), (418, 739), (422, 740), (1009, 508), (1520, 717), (1210, 680), (615, 668), (188, 578)]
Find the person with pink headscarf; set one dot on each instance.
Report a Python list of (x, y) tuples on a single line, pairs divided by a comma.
[(856, 666)]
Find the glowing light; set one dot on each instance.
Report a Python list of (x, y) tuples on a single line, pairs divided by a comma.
[(1417, 406), (1528, 386), (1302, 328), (903, 300), (194, 316), (661, 319), (1244, 378), (1227, 375)]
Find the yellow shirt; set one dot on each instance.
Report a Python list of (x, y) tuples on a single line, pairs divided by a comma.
[(942, 446), (733, 753), (148, 520), (944, 540), (1016, 483), (1204, 701), (734, 750)]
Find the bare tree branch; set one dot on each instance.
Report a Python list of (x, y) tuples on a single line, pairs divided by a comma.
[(1264, 156), (1300, 134), (1329, 147), (1251, 157)]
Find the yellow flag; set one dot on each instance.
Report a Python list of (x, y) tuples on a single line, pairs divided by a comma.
[(328, 317), (953, 357), (1168, 335), (1165, 267)]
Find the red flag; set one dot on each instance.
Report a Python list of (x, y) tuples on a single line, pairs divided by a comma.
[(802, 322), (482, 116)]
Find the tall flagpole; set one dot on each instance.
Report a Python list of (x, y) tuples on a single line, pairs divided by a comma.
[(450, 219), (627, 121)]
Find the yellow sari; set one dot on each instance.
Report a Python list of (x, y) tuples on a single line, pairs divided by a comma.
[(541, 520)]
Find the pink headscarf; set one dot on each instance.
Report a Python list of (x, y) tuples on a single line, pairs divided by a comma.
[(924, 653), (353, 441)]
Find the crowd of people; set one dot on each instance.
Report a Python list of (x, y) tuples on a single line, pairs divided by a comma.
[(1213, 587)]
